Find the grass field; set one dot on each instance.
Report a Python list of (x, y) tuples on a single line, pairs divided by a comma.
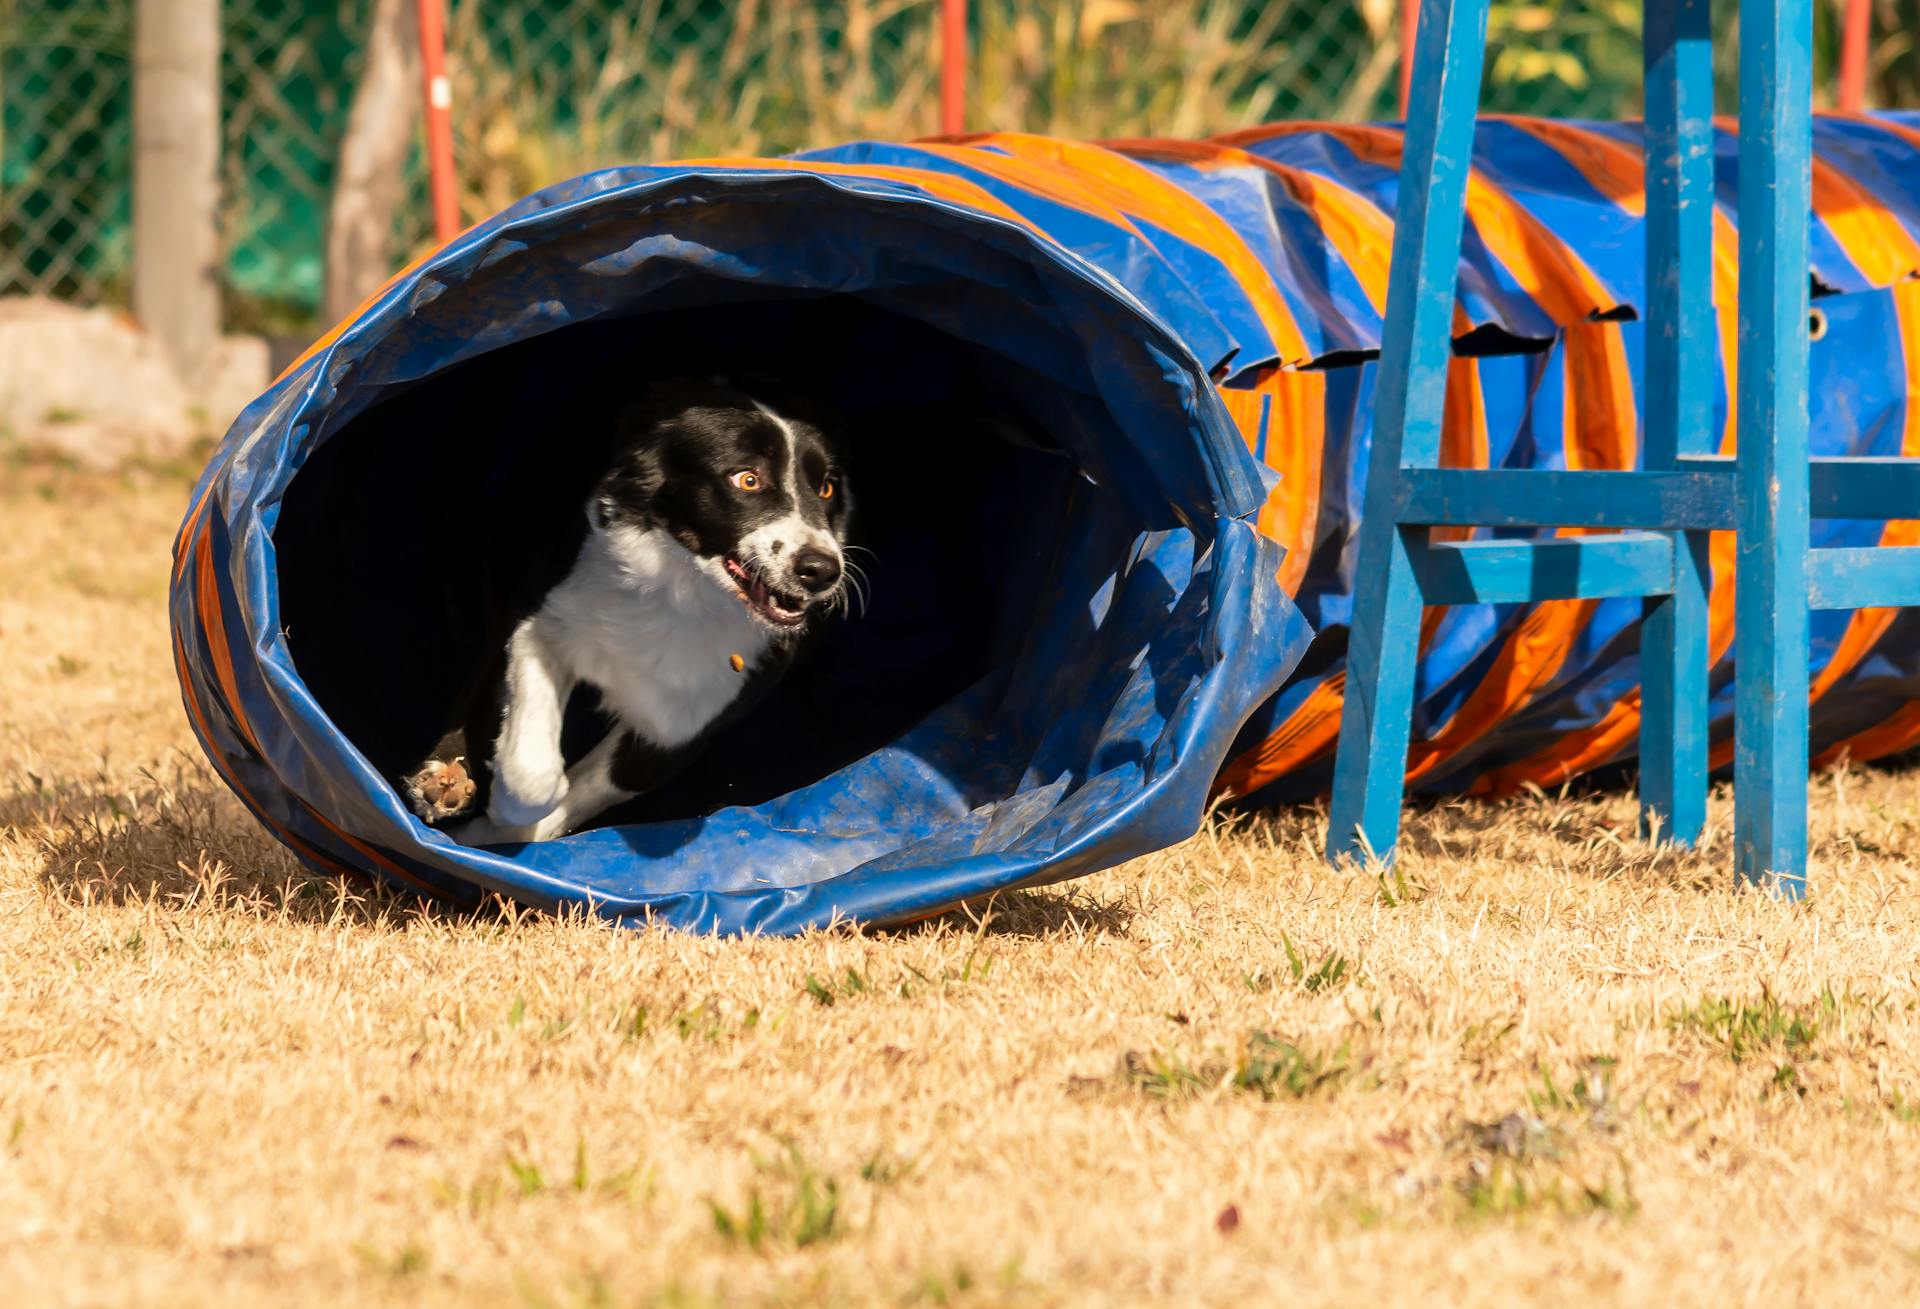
[(1544, 1064)]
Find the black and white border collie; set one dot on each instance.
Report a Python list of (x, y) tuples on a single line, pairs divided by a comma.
[(711, 549)]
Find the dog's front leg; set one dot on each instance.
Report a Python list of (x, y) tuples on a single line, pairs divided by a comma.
[(591, 789), (529, 770)]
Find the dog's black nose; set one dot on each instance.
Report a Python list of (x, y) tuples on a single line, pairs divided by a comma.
[(816, 570)]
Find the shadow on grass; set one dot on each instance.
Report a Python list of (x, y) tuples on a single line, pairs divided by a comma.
[(1048, 911), (175, 836), (1582, 829)]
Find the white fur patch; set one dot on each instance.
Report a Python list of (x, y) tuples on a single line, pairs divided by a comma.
[(590, 790), (786, 430), (530, 773), (653, 626), (774, 546)]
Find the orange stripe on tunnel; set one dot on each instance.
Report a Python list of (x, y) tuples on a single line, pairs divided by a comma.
[(213, 623), (1357, 229), (1544, 266), (1288, 406)]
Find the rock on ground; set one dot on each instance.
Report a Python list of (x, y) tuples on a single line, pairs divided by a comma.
[(90, 384)]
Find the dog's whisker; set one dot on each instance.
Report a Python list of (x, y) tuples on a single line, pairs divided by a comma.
[(847, 595), (856, 582)]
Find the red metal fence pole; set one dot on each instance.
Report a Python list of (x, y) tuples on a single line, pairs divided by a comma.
[(433, 65), (953, 67), (1853, 54), (1409, 25)]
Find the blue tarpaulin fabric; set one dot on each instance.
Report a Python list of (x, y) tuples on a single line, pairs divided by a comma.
[(1158, 583)]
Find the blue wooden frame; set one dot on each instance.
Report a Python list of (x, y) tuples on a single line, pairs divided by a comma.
[(1766, 494), (1677, 40), (1415, 349), (1772, 480)]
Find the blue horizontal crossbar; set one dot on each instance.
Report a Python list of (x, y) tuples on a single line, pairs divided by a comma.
[(1526, 497), (1845, 487), (1556, 568), (1863, 576), (1697, 497)]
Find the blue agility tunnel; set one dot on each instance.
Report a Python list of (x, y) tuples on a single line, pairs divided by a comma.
[(1109, 409)]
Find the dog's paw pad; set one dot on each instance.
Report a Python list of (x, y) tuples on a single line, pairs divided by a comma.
[(440, 790)]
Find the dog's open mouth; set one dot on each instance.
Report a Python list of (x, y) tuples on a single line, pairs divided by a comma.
[(776, 608)]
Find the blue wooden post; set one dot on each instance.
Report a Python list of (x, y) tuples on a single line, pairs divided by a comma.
[(1682, 361), (1770, 607), (1415, 348)]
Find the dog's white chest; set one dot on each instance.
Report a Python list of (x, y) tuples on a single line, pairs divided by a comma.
[(642, 622)]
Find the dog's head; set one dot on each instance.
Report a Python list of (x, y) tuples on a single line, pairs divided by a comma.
[(751, 487)]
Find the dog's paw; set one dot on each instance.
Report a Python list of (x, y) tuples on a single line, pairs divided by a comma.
[(440, 790)]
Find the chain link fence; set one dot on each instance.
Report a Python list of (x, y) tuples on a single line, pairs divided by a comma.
[(288, 69), (547, 88), (66, 145)]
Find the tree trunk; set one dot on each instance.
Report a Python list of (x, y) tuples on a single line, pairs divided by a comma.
[(370, 175), (176, 178)]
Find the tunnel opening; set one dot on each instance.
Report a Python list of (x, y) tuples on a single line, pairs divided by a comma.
[(960, 497)]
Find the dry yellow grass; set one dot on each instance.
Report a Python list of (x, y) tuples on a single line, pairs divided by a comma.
[(1547, 1065)]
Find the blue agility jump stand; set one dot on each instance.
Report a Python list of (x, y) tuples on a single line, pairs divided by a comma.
[(1655, 520)]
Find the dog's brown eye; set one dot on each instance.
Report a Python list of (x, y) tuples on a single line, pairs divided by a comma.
[(746, 480), (826, 489)]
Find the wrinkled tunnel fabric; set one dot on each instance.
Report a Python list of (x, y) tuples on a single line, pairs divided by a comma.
[(1110, 407)]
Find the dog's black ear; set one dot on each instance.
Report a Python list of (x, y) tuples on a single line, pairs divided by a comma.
[(636, 472), (626, 493), (660, 402)]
